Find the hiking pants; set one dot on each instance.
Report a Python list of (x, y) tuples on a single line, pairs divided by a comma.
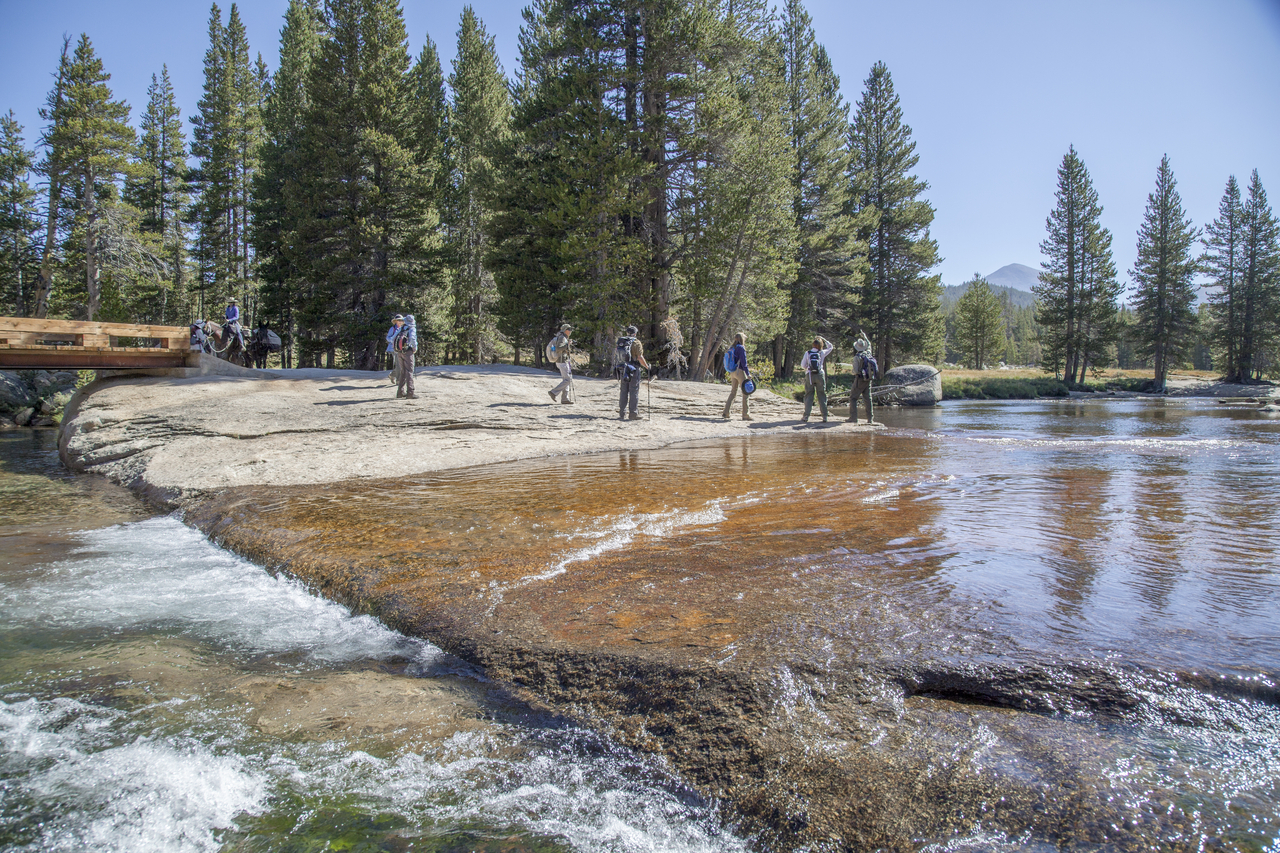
[(861, 388), (404, 363), (565, 374), (815, 383), (736, 378), (629, 391)]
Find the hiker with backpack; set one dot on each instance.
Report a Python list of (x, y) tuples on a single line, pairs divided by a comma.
[(404, 344), (629, 356), (558, 354), (735, 362), (865, 371), (815, 376)]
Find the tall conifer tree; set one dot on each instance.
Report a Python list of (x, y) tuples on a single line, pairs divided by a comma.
[(95, 141), (1164, 304), (1078, 290), (899, 300), (827, 253), (159, 190), (1222, 261), (367, 200), (277, 205), (19, 225), (52, 166), (1259, 288), (479, 122)]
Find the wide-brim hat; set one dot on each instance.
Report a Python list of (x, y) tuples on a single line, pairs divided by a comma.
[(232, 299), (399, 317), (860, 346), (631, 330), (565, 327)]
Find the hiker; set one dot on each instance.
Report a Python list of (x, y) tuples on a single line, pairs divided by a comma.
[(232, 323), (394, 376), (405, 345), (632, 360), (738, 375), (815, 376), (864, 372), (558, 352)]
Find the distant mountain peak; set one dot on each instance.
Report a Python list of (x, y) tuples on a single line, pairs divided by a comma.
[(1016, 279)]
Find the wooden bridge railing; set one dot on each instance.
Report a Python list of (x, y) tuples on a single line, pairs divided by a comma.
[(28, 343)]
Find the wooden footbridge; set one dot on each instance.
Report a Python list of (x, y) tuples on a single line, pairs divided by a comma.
[(31, 344)]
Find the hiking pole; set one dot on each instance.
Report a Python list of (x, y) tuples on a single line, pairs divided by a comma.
[(648, 398)]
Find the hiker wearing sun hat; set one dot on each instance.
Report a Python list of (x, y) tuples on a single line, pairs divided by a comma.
[(558, 354)]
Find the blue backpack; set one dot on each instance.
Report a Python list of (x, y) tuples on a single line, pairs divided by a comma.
[(869, 370), (729, 365)]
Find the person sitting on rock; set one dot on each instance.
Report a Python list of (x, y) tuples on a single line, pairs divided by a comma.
[(864, 373)]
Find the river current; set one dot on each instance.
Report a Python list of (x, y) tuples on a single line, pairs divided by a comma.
[(158, 693)]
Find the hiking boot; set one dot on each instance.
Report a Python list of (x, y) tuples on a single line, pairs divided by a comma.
[(566, 400), (824, 419), (411, 396), (399, 394), (748, 418), (633, 417), (805, 419), (553, 395)]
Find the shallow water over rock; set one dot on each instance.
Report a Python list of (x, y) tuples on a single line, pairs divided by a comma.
[(991, 626)]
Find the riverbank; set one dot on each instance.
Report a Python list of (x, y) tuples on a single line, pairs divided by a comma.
[(179, 440)]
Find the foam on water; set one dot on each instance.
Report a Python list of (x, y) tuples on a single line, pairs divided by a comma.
[(616, 533), (161, 575), (180, 775), (136, 796)]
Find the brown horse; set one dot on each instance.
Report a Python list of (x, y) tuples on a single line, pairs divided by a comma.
[(225, 344)]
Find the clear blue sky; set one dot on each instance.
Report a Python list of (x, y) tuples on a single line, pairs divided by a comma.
[(995, 92)]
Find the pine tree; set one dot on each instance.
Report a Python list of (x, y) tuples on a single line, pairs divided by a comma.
[(560, 251), (159, 191), (226, 138), (51, 166), (828, 255), (19, 225), (1259, 287), (979, 323), (741, 230), (1222, 261), (1078, 291), (95, 141), (1164, 304), (898, 300), (366, 200), (478, 124), (276, 205)]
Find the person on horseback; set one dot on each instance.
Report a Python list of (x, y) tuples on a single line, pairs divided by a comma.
[(232, 324)]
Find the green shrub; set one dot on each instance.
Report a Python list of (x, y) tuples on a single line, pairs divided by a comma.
[(1002, 388)]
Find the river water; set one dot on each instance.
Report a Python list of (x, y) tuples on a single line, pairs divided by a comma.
[(161, 694)]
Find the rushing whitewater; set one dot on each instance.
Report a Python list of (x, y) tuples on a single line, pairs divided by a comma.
[(155, 698)]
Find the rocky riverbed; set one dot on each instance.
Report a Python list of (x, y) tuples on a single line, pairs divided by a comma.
[(792, 651)]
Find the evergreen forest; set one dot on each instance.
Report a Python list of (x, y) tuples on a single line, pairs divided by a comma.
[(690, 167)]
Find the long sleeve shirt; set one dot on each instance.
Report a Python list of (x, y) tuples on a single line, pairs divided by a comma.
[(233, 313), (822, 357), (739, 357)]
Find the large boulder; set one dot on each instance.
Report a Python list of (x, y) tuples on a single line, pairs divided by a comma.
[(15, 393), (921, 386)]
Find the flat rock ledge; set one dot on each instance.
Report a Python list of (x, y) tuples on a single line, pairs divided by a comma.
[(179, 439)]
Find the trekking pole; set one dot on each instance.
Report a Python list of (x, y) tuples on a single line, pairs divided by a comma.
[(648, 398)]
